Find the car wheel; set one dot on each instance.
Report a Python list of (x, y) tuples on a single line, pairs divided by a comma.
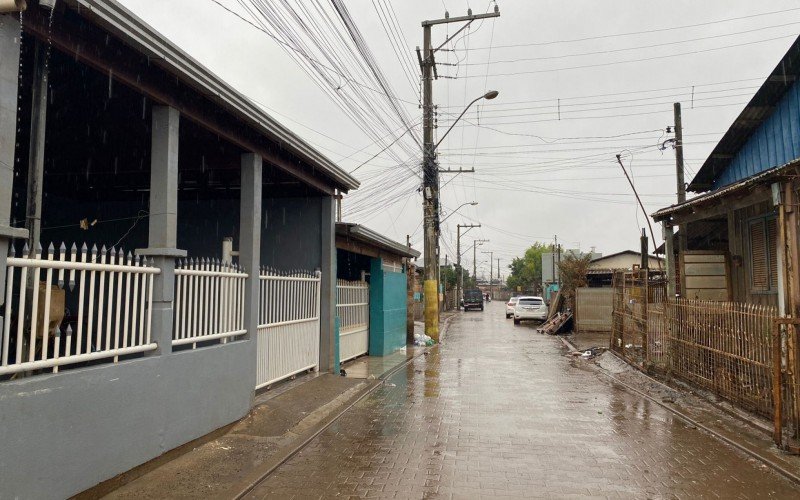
[(516, 321), (508, 316), (481, 308)]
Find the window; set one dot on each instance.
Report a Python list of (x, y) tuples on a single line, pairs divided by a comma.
[(764, 254)]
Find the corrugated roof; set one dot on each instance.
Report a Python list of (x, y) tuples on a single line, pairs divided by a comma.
[(757, 110), (113, 17), (764, 177)]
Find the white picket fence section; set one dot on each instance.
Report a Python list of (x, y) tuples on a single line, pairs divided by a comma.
[(288, 325), (352, 308), (209, 301), (111, 291)]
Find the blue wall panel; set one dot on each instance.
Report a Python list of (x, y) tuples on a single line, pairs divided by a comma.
[(775, 142), (387, 310)]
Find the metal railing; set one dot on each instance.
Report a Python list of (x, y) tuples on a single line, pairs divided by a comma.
[(209, 302), (288, 324), (352, 308), (103, 297), (724, 347)]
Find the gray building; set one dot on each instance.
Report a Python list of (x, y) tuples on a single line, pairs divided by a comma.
[(144, 339)]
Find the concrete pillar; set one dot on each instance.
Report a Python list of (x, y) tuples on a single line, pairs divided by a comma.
[(327, 341), (163, 231), (250, 237), (9, 83)]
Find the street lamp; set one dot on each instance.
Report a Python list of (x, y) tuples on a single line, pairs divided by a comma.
[(430, 206), (488, 96), (473, 203)]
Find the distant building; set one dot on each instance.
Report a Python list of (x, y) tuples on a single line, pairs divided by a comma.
[(550, 262), (601, 269)]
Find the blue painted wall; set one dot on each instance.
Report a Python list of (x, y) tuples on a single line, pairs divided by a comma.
[(387, 310), (775, 142)]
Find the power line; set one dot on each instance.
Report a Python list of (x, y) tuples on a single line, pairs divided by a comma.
[(637, 60), (645, 32)]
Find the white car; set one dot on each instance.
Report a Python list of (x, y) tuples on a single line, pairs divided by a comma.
[(530, 307), (510, 306)]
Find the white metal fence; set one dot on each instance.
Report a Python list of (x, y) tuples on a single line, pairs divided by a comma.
[(106, 295), (209, 302), (352, 308), (288, 324)]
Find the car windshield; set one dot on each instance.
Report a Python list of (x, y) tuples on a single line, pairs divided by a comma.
[(530, 302), (473, 295)]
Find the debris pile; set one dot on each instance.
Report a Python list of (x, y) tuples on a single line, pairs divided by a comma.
[(420, 339)]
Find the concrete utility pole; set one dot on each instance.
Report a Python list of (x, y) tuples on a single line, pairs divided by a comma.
[(430, 177), (460, 275), (491, 276), (475, 243), (682, 237), (499, 282)]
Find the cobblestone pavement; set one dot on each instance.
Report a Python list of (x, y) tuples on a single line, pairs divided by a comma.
[(498, 411)]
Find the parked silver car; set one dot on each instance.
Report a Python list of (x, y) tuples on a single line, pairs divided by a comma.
[(530, 307)]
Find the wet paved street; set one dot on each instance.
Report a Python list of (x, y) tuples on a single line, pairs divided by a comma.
[(499, 411)]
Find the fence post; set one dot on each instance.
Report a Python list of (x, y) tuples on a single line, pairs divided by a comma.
[(9, 74), (777, 434), (163, 230), (645, 318)]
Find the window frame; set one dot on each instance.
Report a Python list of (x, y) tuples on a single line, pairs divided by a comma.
[(770, 266)]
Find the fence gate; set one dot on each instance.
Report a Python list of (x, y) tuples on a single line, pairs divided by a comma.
[(637, 309), (288, 325), (352, 308)]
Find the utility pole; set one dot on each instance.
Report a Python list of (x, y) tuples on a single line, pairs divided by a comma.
[(460, 275), (682, 239), (499, 282), (430, 177), (491, 276), (475, 243), (553, 255)]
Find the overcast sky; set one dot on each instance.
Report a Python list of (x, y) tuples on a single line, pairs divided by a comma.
[(611, 68)]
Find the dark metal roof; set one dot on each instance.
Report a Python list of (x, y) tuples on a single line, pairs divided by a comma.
[(766, 176), (370, 237), (113, 17), (757, 110)]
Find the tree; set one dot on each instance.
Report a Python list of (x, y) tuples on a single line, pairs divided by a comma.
[(573, 271), (449, 277), (526, 271)]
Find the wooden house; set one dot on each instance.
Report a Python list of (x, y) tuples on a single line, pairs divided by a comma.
[(741, 231)]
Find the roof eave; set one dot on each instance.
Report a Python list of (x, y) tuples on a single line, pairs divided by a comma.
[(112, 16)]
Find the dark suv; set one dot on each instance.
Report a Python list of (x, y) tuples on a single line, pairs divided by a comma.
[(473, 299)]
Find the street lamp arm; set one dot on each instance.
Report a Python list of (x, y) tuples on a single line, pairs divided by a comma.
[(457, 209), (489, 95)]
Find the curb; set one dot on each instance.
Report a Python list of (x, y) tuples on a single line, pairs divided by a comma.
[(689, 420), (282, 457)]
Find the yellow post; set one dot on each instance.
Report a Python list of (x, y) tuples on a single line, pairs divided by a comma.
[(431, 309)]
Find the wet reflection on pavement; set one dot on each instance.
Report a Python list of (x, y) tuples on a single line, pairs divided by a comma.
[(497, 410)]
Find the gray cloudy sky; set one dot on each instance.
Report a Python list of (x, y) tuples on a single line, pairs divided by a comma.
[(537, 175)]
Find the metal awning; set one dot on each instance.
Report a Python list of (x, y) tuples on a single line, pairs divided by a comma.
[(366, 235)]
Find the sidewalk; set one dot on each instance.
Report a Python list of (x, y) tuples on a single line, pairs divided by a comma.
[(745, 432), (282, 420)]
